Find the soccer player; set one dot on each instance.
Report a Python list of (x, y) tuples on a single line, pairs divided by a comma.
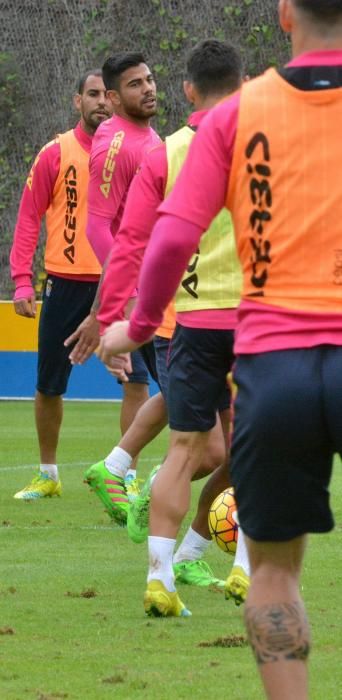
[(272, 153), (115, 156), (57, 187), (201, 349), (216, 68)]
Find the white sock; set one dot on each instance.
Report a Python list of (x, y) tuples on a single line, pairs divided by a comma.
[(192, 547), (241, 554), (118, 462), (160, 551), (51, 470)]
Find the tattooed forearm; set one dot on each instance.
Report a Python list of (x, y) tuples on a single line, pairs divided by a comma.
[(278, 632)]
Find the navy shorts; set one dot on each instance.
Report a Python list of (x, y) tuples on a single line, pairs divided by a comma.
[(287, 427), (162, 349), (143, 365), (65, 305), (199, 362)]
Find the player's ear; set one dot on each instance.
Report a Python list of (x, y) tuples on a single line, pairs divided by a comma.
[(77, 101), (285, 12), (114, 97), (188, 88)]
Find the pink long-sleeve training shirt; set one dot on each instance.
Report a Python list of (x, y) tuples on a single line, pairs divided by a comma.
[(198, 195), (34, 203), (145, 195), (117, 151)]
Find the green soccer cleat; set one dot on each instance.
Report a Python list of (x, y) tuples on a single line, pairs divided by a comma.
[(110, 489), (159, 602), (196, 573), (138, 512), (237, 585), (41, 486)]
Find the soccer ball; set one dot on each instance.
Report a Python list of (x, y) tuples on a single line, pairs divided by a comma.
[(222, 521)]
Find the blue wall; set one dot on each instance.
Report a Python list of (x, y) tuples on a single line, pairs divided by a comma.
[(18, 362), (90, 381)]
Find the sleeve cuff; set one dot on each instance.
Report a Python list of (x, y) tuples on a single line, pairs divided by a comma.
[(23, 292), (23, 281), (142, 334)]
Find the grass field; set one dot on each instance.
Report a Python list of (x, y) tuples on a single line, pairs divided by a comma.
[(71, 584)]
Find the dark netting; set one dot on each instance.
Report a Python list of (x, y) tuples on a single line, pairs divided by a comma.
[(47, 44)]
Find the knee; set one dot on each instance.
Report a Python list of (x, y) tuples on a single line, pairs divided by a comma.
[(135, 391), (276, 561), (270, 576), (186, 452)]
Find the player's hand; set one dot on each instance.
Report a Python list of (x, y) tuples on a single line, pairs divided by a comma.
[(116, 341), (87, 337), (120, 366), (25, 302)]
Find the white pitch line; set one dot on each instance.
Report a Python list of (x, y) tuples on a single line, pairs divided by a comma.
[(18, 467), (5, 528)]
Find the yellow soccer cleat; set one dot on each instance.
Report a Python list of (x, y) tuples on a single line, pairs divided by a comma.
[(159, 602), (41, 486), (237, 585)]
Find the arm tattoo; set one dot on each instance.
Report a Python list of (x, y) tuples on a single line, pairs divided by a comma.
[(278, 632)]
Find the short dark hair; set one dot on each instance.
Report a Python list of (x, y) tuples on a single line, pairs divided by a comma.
[(116, 64), (83, 79), (325, 11), (214, 67)]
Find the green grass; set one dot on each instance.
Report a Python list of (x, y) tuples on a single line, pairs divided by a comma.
[(71, 585)]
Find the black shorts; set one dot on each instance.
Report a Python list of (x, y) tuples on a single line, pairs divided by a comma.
[(143, 365), (162, 350), (287, 427), (65, 305), (199, 362)]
